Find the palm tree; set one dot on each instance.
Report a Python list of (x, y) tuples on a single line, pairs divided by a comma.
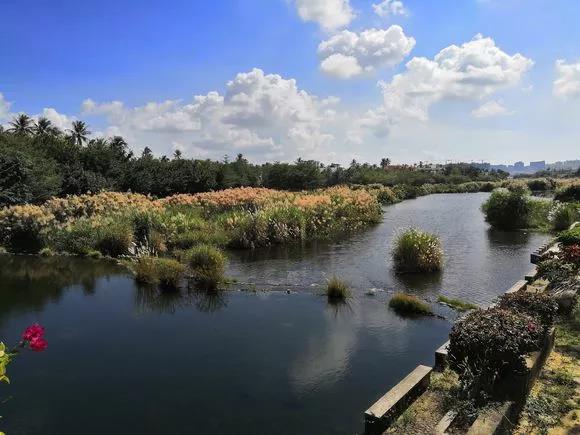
[(42, 127), (21, 125), (79, 132), (177, 154)]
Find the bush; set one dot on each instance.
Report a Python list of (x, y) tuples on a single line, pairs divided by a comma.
[(418, 251), (80, 238), (114, 239), (46, 252), (508, 209), (487, 345), (409, 304), (570, 237), (540, 184), (542, 306), (562, 216), (165, 272), (336, 289), (568, 193), (207, 263)]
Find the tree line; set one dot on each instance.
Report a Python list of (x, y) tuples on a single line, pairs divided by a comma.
[(38, 161)]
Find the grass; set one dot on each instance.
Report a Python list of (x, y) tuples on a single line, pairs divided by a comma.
[(406, 304), (164, 272), (207, 263), (457, 304), (418, 251), (337, 289), (46, 252)]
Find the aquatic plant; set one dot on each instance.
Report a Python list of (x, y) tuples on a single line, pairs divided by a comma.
[(165, 272), (114, 239), (562, 215), (337, 289), (457, 304), (207, 263), (417, 251), (406, 304), (508, 209)]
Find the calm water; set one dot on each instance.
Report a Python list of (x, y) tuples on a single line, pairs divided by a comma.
[(127, 360)]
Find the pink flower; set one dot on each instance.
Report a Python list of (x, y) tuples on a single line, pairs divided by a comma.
[(32, 332), (38, 344)]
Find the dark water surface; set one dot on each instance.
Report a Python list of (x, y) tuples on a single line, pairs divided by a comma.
[(124, 360)]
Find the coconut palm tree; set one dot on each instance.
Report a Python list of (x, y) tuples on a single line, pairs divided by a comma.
[(79, 132), (42, 126), (21, 125)]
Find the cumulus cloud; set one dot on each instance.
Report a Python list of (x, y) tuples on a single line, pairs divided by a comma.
[(329, 14), (390, 7), (348, 54), (490, 109), (567, 83), (4, 108), (260, 113), (474, 70)]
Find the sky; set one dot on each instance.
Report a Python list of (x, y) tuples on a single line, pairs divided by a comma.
[(332, 80)]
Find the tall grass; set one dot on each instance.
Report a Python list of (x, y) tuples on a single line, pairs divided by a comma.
[(164, 272), (417, 251), (337, 289), (207, 264), (408, 305)]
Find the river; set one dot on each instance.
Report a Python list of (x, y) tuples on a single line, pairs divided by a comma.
[(268, 356)]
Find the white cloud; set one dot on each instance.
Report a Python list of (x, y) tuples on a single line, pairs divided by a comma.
[(472, 71), (4, 108), (58, 120), (348, 54), (490, 109), (568, 82), (329, 14), (259, 113), (390, 7)]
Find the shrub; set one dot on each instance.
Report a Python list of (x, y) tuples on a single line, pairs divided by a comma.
[(207, 263), (337, 289), (165, 272), (568, 193), (409, 304), (508, 209), (540, 305), (46, 252), (418, 251), (114, 239), (80, 238), (486, 345), (540, 184), (562, 216), (570, 237)]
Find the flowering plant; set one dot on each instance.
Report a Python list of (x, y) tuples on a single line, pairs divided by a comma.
[(32, 338)]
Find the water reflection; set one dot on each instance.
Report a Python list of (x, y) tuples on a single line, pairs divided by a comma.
[(162, 301)]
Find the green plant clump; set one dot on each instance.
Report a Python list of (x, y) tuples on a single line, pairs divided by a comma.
[(165, 272), (562, 216), (570, 237), (568, 193), (337, 289), (418, 251), (508, 209), (207, 263), (406, 304), (457, 304), (539, 305)]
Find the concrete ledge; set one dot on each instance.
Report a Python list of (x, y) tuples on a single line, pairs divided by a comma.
[(520, 285), (444, 423), (494, 422), (531, 275), (389, 407), (442, 357)]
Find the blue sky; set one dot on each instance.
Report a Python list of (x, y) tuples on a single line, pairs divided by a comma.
[(287, 96)]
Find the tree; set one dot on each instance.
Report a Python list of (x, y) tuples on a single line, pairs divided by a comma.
[(385, 162), (79, 132), (21, 125), (43, 127), (177, 154)]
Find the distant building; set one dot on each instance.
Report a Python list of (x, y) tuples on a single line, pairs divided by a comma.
[(538, 166), (519, 166)]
